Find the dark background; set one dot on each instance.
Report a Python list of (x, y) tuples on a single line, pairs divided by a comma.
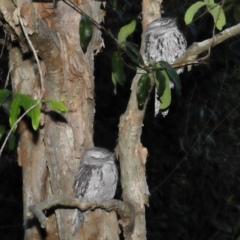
[(193, 167)]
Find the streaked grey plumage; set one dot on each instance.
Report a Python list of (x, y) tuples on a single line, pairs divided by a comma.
[(164, 42), (95, 180)]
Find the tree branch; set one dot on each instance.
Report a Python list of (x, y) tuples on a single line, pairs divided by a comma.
[(190, 56), (125, 210)]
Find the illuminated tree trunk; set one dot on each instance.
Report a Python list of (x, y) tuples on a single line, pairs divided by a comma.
[(50, 156)]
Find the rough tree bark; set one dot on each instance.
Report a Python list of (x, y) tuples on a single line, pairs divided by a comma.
[(51, 156), (131, 152)]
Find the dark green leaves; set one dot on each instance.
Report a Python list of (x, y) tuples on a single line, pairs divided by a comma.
[(132, 52), (173, 76), (85, 32), (14, 112), (162, 73), (11, 139), (214, 9), (143, 88), (117, 70), (166, 97), (160, 81), (4, 93), (129, 49), (2, 131), (163, 87)]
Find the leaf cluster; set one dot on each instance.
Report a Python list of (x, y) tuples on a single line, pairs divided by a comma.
[(13, 103), (213, 8)]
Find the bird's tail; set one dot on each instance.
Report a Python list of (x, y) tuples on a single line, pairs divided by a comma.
[(78, 220)]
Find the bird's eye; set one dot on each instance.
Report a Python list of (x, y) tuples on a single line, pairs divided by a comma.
[(166, 21)]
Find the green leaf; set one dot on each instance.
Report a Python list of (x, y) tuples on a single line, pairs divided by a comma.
[(2, 131), (11, 141), (191, 11), (56, 105), (125, 31), (173, 76), (218, 15), (209, 2), (230, 199), (143, 88), (35, 115), (133, 53), (163, 87), (166, 98), (26, 102), (117, 69), (4, 93), (85, 32), (114, 83), (14, 111), (160, 81), (114, 4)]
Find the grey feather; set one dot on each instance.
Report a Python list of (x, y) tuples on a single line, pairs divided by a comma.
[(95, 180), (164, 42)]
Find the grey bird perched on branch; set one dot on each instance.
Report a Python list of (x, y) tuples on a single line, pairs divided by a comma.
[(164, 42), (95, 180)]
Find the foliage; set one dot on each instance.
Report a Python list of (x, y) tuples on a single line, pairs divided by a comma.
[(85, 32), (214, 9), (22, 100), (125, 31), (143, 89), (117, 70), (172, 74), (118, 75), (193, 165), (160, 71), (13, 108)]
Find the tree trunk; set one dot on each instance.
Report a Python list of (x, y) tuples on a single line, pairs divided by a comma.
[(131, 152), (50, 156)]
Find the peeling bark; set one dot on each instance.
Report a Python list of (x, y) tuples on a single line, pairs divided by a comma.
[(131, 152), (51, 156)]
